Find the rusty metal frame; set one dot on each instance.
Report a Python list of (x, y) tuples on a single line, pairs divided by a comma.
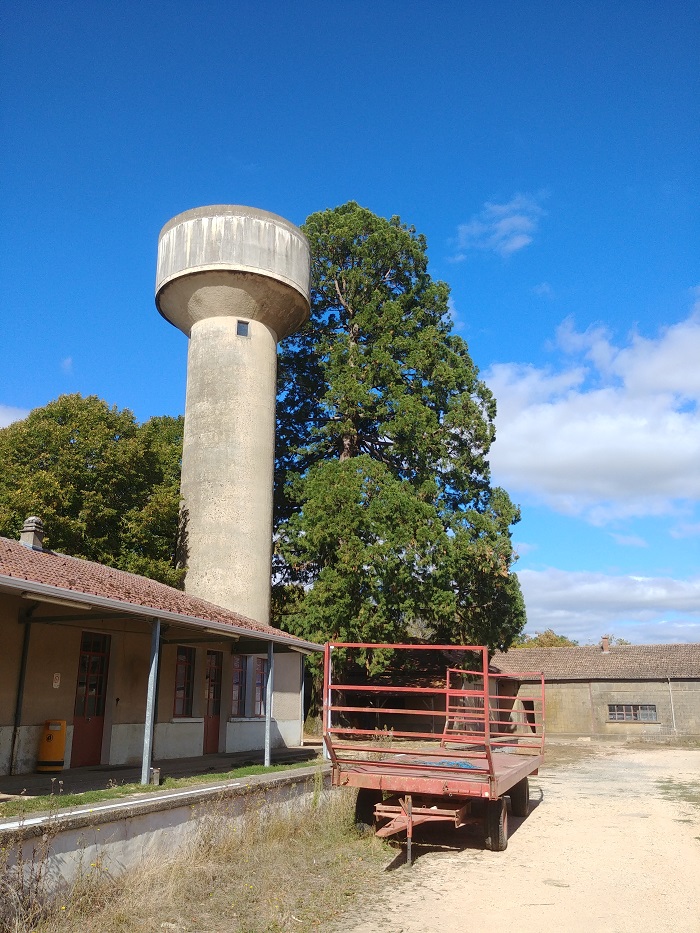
[(486, 746)]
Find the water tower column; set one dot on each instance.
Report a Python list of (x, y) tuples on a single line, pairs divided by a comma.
[(236, 280)]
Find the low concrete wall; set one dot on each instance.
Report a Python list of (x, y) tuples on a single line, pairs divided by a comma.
[(118, 835)]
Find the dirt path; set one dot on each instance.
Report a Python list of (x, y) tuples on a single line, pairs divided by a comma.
[(609, 847)]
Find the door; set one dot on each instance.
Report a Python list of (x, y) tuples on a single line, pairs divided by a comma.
[(212, 702), (90, 692)]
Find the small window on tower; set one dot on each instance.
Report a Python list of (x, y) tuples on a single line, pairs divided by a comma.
[(242, 328)]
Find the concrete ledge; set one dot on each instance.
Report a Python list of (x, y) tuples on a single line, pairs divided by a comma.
[(122, 808), (118, 835)]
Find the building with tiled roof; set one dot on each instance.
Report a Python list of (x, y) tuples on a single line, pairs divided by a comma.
[(132, 669), (60, 576), (634, 691), (618, 662)]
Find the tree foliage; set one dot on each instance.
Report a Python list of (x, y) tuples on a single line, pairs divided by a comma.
[(106, 487), (546, 639), (386, 522)]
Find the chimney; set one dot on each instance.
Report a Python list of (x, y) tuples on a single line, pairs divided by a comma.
[(605, 644), (33, 533)]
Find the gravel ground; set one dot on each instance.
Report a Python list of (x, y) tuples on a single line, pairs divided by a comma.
[(612, 845)]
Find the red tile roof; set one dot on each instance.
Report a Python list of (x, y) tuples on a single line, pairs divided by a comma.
[(621, 662), (87, 578)]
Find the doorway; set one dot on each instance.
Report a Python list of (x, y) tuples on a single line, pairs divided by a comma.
[(212, 701), (90, 693)]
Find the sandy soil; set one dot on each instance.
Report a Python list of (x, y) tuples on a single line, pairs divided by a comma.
[(606, 849)]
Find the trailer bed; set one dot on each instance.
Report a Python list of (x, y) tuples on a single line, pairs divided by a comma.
[(423, 777), (442, 740)]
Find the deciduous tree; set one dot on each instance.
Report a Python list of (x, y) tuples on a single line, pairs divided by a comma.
[(106, 487), (546, 639)]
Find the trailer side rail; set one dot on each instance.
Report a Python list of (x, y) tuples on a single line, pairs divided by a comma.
[(457, 729)]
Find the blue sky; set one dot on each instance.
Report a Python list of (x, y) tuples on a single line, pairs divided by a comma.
[(549, 152)]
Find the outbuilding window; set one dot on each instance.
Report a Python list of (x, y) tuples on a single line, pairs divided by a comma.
[(184, 681), (632, 712)]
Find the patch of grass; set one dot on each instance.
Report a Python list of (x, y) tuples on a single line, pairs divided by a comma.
[(20, 806), (560, 755), (270, 872), (676, 790)]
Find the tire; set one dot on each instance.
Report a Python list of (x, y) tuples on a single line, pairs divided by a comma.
[(497, 825), (367, 797), (520, 798)]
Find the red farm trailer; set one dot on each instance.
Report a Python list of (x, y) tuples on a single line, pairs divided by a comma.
[(448, 741)]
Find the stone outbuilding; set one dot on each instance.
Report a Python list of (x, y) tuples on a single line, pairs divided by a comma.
[(137, 669), (611, 691)]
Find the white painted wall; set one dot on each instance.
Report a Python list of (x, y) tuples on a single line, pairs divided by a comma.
[(247, 735), (179, 738)]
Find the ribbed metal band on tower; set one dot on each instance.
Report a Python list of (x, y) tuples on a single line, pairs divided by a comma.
[(236, 281)]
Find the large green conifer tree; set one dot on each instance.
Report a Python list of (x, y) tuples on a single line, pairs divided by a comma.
[(386, 522)]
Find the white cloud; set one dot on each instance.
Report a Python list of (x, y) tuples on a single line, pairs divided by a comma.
[(500, 228), (629, 540), (585, 606), (686, 530), (544, 290), (523, 548), (453, 312), (8, 414), (614, 432)]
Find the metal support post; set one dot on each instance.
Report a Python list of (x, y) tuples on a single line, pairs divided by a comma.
[(407, 805), (326, 715), (301, 697), (268, 701), (150, 703)]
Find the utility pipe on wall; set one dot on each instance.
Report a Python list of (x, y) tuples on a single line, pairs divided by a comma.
[(25, 617), (673, 712)]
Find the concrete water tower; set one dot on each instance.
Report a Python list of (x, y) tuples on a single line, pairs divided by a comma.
[(235, 280)]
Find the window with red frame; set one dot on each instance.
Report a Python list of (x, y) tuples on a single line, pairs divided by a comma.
[(260, 686), (184, 681), (240, 676)]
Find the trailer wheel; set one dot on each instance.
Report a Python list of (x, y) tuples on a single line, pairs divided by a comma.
[(520, 798), (367, 797), (497, 825)]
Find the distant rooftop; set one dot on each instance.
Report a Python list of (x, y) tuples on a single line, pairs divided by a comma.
[(620, 662)]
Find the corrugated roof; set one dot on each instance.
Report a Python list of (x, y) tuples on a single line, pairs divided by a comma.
[(87, 578), (621, 662)]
